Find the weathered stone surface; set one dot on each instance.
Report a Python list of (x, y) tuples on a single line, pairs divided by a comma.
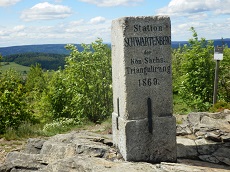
[(34, 146), (149, 146), (68, 157), (225, 137), (213, 136), (24, 161), (221, 124), (205, 147), (223, 155), (83, 163), (183, 130), (186, 148), (210, 132), (209, 158), (143, 126), (141, 60), (86, 151)]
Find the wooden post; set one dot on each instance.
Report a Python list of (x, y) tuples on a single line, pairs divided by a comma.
[(216, 82), (218, 55)]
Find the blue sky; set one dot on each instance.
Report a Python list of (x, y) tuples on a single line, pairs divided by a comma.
[(25, 22)]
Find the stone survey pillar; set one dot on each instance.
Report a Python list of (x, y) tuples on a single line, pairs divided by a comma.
[(143, 126)]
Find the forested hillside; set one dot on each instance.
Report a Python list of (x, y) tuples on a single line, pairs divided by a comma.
[(46, 48), (60, 48), (47, 61)]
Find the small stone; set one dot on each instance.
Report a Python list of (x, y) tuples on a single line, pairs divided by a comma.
[(158, 165), (213, 137), (225, 138)]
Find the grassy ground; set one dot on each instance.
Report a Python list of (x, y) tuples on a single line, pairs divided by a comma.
[(179, 106), (7, 65)]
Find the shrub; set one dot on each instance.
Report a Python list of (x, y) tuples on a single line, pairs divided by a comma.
[(83, 90), (13, 108), (220, 106)]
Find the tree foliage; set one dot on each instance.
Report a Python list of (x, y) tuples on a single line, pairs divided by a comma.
[(47, 61), (83, 89), (224, 79), (194, 70), (13, 107)]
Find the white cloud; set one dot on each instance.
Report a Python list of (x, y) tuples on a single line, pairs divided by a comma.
[(110, 3), (8, 2), (46, 11), (97, 20), (207, 17), (78, 31), (77, 22), (18, 28), (184, 7), (5, 32), (198, 16)]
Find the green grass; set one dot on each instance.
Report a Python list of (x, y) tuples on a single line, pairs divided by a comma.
[(179, 106), (12, 65), (25, 130)]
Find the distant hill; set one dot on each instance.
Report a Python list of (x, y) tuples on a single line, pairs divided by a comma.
[(60, 48), (226, 41), (45, 48), (47, 61)]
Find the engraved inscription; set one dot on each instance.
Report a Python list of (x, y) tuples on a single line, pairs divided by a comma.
[(136, 61), (148, 82), (146, 28), (149, 63), (147, 41), (148, 60), (150, 69), (147, 52)]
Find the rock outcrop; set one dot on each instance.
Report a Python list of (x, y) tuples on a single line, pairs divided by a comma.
[(205, 136), (203, 145)]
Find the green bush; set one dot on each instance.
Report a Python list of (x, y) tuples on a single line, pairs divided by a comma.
[(13, 108), (83, 90), (224, 77), (220, 106), (195, 75)]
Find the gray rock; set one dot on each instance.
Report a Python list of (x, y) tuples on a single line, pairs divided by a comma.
[(205, 147), (194, 119), (228, 117), (33, 146), (225, 137), (86, 151), (210, 122), (23, 161), (186, 148), (86, 164), (183, 130), (209, 158), (223, 155), (212, 136), (54, 150)]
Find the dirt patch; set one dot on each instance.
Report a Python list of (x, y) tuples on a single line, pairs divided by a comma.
[(9, 146)]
